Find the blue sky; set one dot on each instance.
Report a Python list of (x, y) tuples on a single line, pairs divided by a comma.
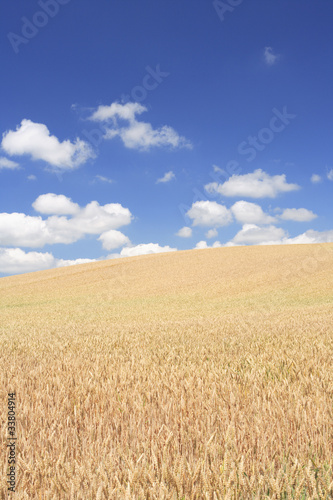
[(138, 127)]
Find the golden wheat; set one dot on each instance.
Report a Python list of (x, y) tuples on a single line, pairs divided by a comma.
[(203, 374)]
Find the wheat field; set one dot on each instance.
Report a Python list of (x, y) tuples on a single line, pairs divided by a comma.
[(200, 374)]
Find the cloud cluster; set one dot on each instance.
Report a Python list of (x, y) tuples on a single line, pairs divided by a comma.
[(121, 121), (252, 234), (212, 214), (257, 184), (144, 249), (66, 223), (35, 140), (203, 244), (15, 260), (19, 229)]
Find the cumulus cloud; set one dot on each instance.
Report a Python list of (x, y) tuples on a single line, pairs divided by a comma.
[(250, 213), (56, 204), (330, 175), (19, 229), (8, 164), (270, 57), (34, 139), (203, 244), (122, 122), (298, 214), (255, 235), (113, 239), (257, 184), (116, 110), (168, 176), (209, 213), (311, 236), (16, 261), (184, 232), (252, 234), (96, 219), (212, 233), (145, 248), (315, 178)]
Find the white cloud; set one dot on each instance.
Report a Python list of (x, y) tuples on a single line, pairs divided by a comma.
[(19, 229), (203, 244), (116, 110), (168, 176), (250, 213), (251, 234), (104, 179), (185, 232), (209, 213), (145, 248), (136, 134), (315, 178), (113, 239), (256, 235), (311, 236), (257, 184), (56, 204), (23, 230), (75, 262), (330, 175), (212, 233), (96, 219), (9, 164), (298, 214), (16, 261), (32, 177), (34, 139), (270, 57), (216, 244)]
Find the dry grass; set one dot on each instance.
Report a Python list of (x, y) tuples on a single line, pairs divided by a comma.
[(203, 374)]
